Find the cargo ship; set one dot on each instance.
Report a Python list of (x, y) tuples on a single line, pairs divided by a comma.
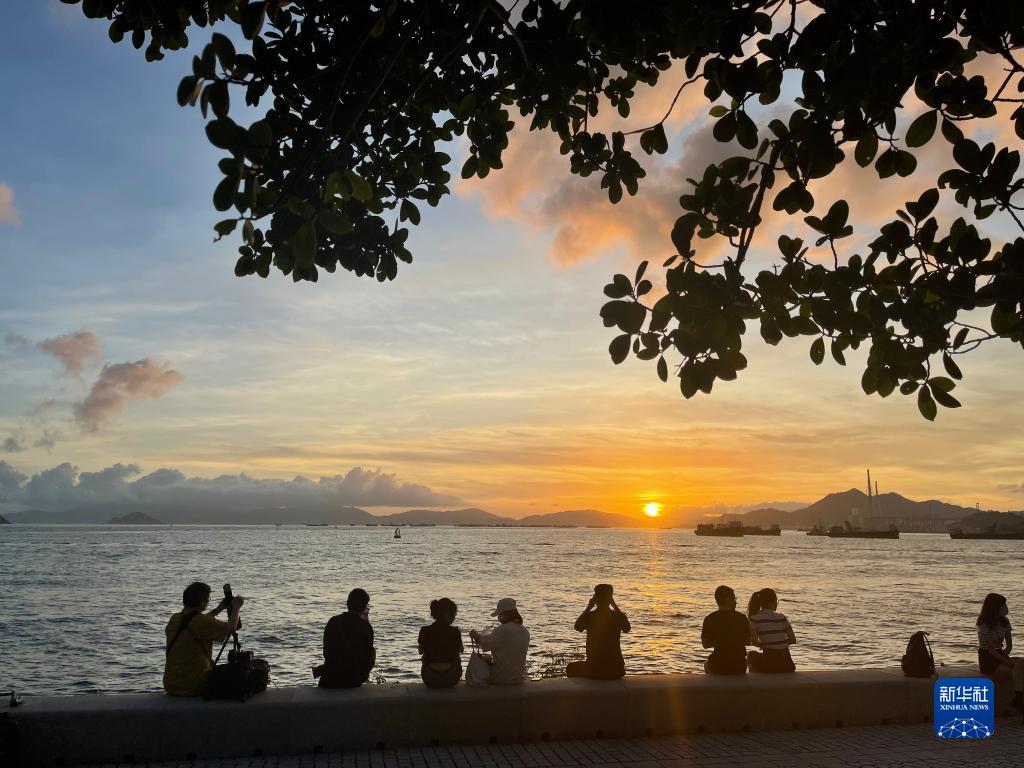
[(958, 533), (847, 531), (757, 530), (722, 529)]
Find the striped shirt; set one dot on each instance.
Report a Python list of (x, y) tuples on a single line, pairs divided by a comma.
[(770, 630), (993, 638)]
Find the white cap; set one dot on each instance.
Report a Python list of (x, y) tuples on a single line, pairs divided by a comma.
[(505, 604)]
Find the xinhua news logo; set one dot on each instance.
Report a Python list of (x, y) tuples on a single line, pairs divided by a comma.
[(965, 708)]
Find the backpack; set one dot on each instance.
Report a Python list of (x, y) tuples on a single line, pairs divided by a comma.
[(243, 676), (918, 660)]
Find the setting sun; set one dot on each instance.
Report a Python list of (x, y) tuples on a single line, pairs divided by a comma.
[(652, 509)]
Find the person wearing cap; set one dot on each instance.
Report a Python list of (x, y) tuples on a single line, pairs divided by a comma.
[(507, 643), (727, 632), (604, 624)]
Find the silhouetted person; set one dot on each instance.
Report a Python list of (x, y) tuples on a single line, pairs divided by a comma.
[(507, 643), (440, 646), (604, 623), (349, 654), (995, 643), (771, 632), (190, 638), (727, 631)]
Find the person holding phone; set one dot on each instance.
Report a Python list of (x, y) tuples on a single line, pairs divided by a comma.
[(190, 637), (995, 644), (604, 624), (349, 654)]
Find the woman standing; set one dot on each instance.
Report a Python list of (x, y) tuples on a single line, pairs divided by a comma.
[(440, 646), (995, 643), (771, 633)]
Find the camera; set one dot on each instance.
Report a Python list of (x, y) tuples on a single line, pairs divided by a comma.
[(317, 671)]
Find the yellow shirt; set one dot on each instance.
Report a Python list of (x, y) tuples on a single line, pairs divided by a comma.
[(191, 656)]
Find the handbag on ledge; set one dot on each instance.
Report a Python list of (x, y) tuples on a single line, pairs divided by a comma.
[(478, 670)]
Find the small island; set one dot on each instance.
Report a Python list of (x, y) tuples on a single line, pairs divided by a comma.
[(135, 518), (4, 520)]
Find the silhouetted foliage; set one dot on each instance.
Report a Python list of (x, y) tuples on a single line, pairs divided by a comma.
[(358, 96)]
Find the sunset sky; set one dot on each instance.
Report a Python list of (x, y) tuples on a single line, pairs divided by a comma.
[(481, 373)]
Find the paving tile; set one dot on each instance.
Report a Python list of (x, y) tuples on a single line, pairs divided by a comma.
[(893, 746)]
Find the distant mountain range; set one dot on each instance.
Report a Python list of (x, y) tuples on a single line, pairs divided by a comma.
[(833, 509), (880, 512), (135, 518), (218, 515)]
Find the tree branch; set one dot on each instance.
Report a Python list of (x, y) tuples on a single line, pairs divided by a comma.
[(767, 178)]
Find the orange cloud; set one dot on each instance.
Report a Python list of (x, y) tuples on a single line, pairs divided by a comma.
[(9, 213), (121, 383), (536, 188), (74, 350)]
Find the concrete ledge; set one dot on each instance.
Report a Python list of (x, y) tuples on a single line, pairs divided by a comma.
[(152, 727)]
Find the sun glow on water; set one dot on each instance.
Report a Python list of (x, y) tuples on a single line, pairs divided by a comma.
[(652, 509)]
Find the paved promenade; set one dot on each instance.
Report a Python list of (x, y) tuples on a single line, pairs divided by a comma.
[(890, 746)]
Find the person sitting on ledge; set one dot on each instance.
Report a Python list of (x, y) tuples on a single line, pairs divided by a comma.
[(440, 645), (604, 623), (771, 632), (727, 632), (349, 654), (995, 643), (508, 644), (190, 638)]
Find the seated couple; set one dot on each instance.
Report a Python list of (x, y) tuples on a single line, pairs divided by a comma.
[(440, 646), (728, 632)]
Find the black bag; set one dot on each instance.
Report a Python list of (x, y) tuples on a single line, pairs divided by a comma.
[(10, 738), (243, 676), (918, 660)]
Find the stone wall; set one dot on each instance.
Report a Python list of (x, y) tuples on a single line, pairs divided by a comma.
[(151, 727)]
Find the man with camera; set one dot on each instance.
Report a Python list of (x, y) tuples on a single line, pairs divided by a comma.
[(190, 638)]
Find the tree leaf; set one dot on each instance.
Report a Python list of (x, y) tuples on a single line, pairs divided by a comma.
[(619, 348), (922, 129), (818, 350), (866, 149), (224, 194), (361, 189), (951, 367), (945, 399), (409, 211), (662, 369), (925, 404)]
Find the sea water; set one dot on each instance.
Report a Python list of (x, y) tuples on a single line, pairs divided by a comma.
[(83, 608)]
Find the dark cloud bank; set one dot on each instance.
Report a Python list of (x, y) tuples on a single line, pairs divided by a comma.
[(62, 494)]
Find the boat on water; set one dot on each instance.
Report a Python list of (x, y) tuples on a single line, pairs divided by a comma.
[(316, 525), (757, 530), (848, 531), (398, 533), (959, 533), (818, 530), (722, 529)]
